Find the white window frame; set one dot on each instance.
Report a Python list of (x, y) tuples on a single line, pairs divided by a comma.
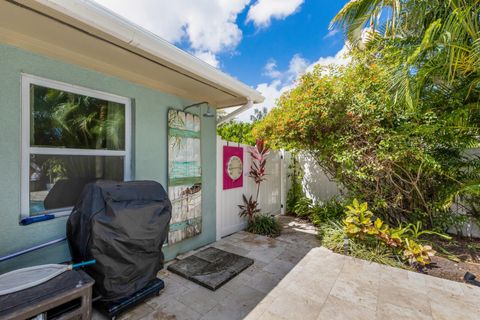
[(26, 81)]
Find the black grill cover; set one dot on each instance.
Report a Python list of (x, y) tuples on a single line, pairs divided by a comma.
[(123, 226)]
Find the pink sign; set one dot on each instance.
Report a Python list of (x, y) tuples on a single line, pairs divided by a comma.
[(232, 167)]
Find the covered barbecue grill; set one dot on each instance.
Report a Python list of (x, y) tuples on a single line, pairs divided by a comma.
[(123, 226)]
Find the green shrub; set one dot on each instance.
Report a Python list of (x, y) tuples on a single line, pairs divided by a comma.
[(396, 158), (445, 219), (403, 241), (304, 207), (333, 209), (234, 131), (265, 225)]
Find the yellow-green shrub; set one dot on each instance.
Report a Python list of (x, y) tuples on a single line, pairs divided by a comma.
[(359, 224)]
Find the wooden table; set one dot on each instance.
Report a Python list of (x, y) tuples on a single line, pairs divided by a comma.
[(67, 296)]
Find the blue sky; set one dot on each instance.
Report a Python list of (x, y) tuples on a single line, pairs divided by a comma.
[(304, 33), (265, 43)]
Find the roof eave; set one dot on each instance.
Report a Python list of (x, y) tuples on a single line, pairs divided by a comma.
[(135, 37)]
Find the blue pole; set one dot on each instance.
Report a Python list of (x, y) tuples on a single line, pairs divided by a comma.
[(83, 264)]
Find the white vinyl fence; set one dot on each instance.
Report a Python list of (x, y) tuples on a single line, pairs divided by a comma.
[(272, 191), (316, 184)]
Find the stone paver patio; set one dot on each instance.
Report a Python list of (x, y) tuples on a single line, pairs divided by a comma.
[(294, 278)]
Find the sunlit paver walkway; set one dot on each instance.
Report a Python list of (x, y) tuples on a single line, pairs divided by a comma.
[(294, 278), (325, 285)]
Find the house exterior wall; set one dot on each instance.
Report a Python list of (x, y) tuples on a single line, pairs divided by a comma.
[(149, 153)]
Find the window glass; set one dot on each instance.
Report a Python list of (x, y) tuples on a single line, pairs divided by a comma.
[(56, 181), (62, 119), (69, 138)]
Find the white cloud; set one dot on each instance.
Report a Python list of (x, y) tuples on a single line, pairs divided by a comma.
[(284, 81), (208, 57), (270, 69), (209, 26), (262, 12), (340, 58), (297, 66), (271, 91)]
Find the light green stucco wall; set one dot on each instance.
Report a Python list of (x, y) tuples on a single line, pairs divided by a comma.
[(149, 155)]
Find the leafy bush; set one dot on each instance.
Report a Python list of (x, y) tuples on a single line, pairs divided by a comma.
[(332, 235), (304, 207), (234, 131), (333, 209), (398, 159), (265, 225), (405, 240)]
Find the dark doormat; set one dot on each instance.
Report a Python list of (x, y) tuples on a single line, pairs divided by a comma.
[(211, 267)]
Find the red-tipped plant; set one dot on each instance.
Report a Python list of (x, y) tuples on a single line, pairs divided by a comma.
[(257, 172), (259, 155), (249, 208)]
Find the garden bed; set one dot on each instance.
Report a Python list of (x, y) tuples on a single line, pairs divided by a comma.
[(454, 258)]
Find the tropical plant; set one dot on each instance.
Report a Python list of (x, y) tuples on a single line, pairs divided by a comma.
[(357, 15), (257, 172), (332, 235), (304, 207), (318, 213), (360, 224), (265, 225), (432, 51), (431, 45), (393, 125), (70, 120), (249, 208), (358, 221), (417, 253), (415, 231)]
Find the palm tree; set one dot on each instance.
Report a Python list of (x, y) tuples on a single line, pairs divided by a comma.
[(436, 42), (357, 15)]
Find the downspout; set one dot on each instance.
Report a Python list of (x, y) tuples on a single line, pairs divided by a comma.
[(235, 113)]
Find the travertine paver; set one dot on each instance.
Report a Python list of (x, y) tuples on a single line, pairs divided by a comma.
[(364, 290), (294, 278)]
